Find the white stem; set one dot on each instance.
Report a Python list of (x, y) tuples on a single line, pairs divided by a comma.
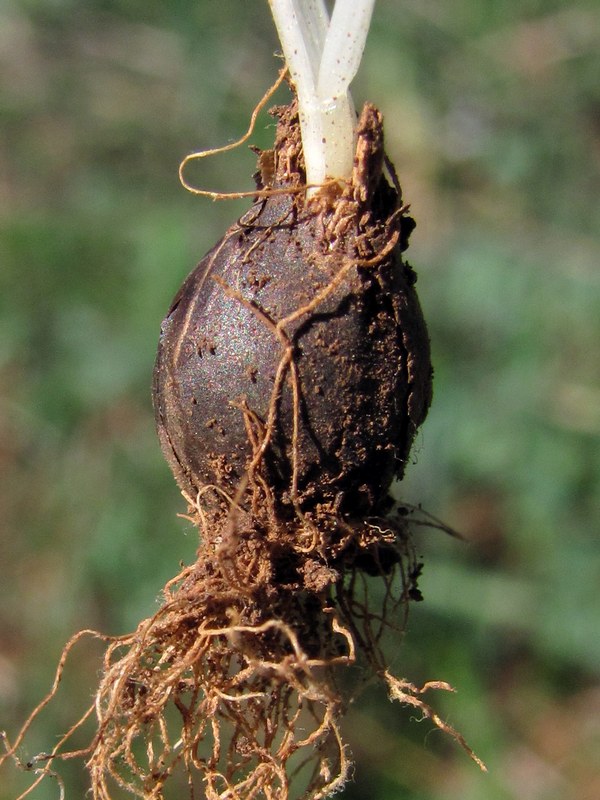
[(323, 57), (316, 22), (344, 45)]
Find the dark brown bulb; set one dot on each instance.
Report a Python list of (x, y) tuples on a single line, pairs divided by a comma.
[(362, 379)]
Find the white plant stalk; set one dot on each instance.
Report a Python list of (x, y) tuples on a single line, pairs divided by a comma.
[(323, 57)]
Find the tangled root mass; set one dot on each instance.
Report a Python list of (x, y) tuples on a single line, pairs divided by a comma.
[(234, 684)]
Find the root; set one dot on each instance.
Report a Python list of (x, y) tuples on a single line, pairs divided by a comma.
[(231, 690), (268, 192), (409, 694), (225, 704)]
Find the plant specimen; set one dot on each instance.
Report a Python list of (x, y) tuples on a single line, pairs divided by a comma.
[(293, 371)]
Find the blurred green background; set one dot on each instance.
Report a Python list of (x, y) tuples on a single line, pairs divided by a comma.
[(493, 120)]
